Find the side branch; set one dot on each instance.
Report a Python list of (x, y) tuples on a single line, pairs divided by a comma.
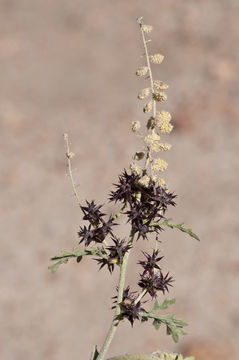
[(69, 156)]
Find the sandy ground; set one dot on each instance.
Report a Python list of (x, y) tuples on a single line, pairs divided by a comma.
[(69, 66)]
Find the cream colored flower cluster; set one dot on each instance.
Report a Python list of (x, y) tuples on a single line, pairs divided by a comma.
[(158, 124)]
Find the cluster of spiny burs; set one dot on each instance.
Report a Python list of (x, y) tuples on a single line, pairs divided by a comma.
[(144, 198)]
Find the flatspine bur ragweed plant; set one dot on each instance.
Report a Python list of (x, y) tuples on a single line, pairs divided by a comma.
[(144, 198)]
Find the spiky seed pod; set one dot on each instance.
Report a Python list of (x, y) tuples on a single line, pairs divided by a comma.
[(147, 28), (128, 309), (115, 256), (142, 71), (92, 213), (126, 188), (135, 169), (150, 264), (160, 96), (143, 93), (159, 85), (135, 126), (139, 155), (155, 282), (156, 58), (148, 106)]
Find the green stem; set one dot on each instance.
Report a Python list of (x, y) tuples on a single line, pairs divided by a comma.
[(115, 321), (121, 211)]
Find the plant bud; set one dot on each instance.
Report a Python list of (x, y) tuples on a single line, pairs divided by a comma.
[(147, 28), (148, 106), (143, 93), (160, 96), (142, 71), (156, 58)]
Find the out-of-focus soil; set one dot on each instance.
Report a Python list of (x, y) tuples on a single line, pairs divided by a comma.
[(69, 66)]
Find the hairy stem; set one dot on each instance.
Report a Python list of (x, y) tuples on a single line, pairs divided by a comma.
[(115, 321)]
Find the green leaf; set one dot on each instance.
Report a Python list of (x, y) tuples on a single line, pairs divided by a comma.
[(64, 256), (174, 326), (155, 307), (180, 227), (156, 324), (55, 266), (166, 303), (175, 336)]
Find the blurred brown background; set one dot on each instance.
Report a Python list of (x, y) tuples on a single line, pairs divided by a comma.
[(69, 65)]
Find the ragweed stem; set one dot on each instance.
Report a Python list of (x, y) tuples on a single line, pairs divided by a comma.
[(115, 321), (140, 21), (148, 155)]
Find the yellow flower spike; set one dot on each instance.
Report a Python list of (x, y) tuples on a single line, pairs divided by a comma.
[(157, 120)]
